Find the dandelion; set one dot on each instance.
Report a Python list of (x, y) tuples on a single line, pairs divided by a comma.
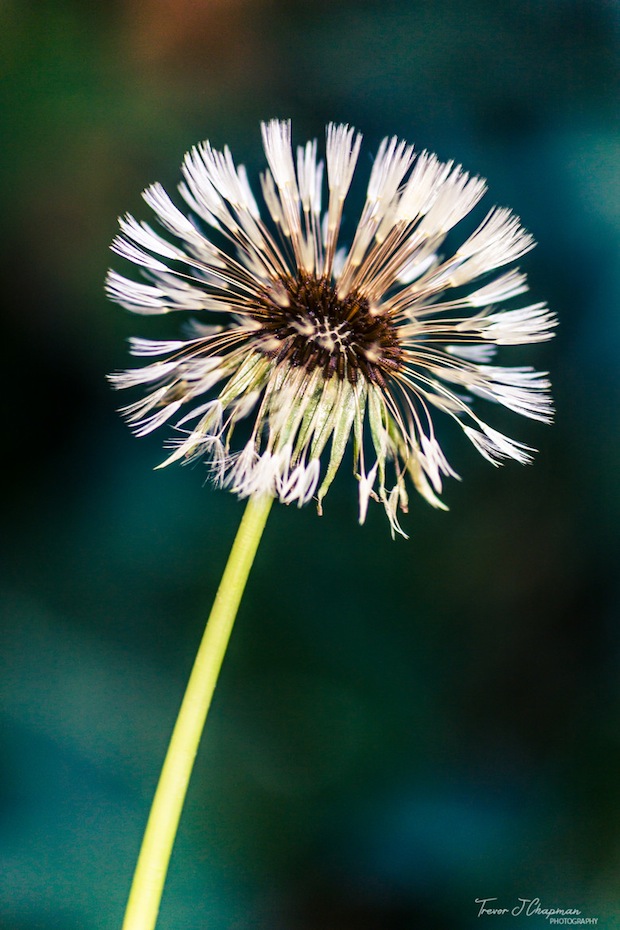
[(314, 342), (305, 347)]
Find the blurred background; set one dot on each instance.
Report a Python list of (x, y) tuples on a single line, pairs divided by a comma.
[(401, 727)]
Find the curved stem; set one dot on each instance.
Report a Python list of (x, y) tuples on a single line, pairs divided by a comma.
[(152, 865)]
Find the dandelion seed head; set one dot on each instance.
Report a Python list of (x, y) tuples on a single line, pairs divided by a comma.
[(321, 346)]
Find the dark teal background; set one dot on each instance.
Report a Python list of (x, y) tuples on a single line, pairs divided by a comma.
[(401, 727)]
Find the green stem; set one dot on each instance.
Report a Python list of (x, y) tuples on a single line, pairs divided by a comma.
[(152, 865)]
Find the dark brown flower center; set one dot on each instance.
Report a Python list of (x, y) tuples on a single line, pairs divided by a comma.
[(307, 324)]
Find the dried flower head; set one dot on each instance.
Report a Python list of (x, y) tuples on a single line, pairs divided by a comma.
[(315, 342)]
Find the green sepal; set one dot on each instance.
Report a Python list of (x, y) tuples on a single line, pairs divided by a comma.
[(347, 406), (249, 376), (323, 423)]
